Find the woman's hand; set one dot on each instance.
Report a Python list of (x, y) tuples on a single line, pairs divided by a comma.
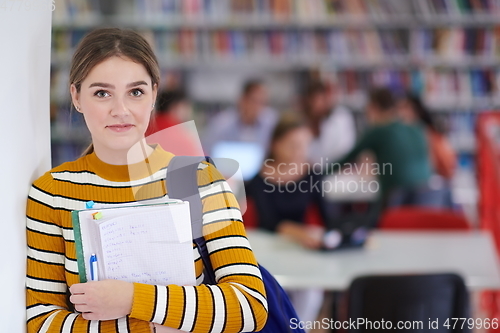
[(102, 300), (308, 236)]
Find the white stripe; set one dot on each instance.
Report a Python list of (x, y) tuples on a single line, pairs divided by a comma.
[(41, 309), (248, 321), (220, 309), (38, 195), (252, 293), (45, 228), (213, 189), (71, 265), (223, 214), (68, 322), (94, 326), (226, 242), (52, 258), (72, 204), (46, 285), (199, 281), (68, 234), (196, 253), (214, 184), (202, 166), (48, 321), (189, 310), (161, 304), (237, 269), (89, 178), (122, 325)]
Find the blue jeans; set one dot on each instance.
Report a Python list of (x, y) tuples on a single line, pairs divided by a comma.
[(421, 195)]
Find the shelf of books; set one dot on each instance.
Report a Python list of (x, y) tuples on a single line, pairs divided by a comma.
[(448, 51)]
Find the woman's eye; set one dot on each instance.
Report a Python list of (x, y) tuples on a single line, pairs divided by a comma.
[(101, 93), (137, 92)]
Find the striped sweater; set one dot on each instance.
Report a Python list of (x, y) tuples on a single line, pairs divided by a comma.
[(236, 304)]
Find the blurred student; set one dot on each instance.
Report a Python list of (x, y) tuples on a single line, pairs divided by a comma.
[(402, 165), (284, 200), (443, 157), (167, 128), (252, 120), (329, 122)]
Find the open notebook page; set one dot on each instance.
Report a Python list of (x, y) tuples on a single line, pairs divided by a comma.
[(146, 244)]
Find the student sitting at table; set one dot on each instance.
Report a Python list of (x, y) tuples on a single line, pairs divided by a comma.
[(401, 152), (285, 197)]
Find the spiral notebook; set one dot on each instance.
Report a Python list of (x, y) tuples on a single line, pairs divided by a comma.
[(149, 243)]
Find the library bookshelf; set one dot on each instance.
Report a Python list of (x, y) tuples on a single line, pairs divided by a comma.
[(447, 51)]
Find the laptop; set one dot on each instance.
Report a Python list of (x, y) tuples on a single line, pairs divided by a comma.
[(249, 156), (350, 230)]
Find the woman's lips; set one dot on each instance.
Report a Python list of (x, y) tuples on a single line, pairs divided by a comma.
[(120, 127)]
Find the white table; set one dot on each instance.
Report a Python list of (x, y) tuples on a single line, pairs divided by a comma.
[(470, 254)]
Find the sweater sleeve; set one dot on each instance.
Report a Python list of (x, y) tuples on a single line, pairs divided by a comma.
[(238, 302), (48, 306)]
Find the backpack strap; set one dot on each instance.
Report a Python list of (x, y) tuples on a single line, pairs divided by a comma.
[(181, 182)]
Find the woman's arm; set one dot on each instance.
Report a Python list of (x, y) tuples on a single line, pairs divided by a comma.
[(366, 142), (238, 302), (309, 236), (48, 307)]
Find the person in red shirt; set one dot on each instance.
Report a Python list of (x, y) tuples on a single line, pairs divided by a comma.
[(442, 155), (170, 127)]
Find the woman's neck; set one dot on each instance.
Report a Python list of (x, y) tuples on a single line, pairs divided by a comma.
[(137, 153)]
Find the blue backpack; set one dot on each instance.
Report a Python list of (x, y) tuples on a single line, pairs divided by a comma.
[(182, 184)]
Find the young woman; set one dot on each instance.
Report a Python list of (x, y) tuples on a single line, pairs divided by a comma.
[(287, 199), (285, 195), (114, 79)]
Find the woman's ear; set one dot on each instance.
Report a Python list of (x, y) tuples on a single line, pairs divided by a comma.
[(75, 97), (155, 92)]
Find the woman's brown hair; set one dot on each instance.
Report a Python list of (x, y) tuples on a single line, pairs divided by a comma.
[(286, 124), (103, 43)]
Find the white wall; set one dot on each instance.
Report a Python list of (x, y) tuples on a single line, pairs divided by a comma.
[(24, 140)]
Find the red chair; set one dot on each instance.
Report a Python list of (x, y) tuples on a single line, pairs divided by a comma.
[(423, 218)]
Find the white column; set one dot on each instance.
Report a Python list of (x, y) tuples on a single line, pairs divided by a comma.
[(25, 33)]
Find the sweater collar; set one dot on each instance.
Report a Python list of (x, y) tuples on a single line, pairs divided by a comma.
[(158, 159)]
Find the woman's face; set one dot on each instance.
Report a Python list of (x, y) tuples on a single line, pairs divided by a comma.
[(293, 147), (318, 104), (116, 100)]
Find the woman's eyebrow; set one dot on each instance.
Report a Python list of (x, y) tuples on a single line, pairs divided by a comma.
[(136, 83), (101, 84), (107, 85)]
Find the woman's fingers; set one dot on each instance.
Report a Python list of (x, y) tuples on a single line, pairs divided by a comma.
[(90, 316), (78, 299), (82, 308), (77, 288), (103, 300)]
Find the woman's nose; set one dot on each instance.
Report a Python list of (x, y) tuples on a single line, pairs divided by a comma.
[(119, 108)]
